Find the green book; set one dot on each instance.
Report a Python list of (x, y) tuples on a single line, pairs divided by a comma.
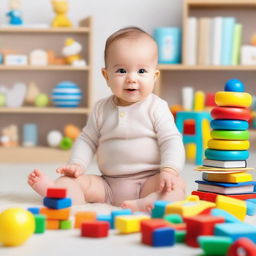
[(236, 44)]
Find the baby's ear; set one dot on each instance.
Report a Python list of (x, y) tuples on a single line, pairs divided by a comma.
[(157, 74), (104, 73)]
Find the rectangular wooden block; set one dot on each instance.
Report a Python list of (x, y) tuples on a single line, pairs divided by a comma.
[(62, 214), (56, 192), (82, 216)]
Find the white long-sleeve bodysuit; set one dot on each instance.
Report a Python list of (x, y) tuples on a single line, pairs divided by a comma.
[(130, 139)]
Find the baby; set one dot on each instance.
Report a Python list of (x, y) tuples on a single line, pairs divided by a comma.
[(138, 147)]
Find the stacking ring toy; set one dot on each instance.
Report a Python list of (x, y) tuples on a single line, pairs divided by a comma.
[(230, 135), (226, 155), (237, 125), (230, 113), (233, 99), (228, 144), (234, 85)]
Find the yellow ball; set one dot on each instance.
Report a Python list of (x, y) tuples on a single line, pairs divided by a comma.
[(16, 226)]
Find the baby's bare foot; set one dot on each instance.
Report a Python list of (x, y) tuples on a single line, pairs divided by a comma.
[(131, 204), (39, 182)]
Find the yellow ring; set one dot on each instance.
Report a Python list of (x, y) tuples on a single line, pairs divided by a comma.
[(233, 99), (229, 144)]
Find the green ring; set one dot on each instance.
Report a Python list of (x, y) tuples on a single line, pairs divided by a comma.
[(230, 135)]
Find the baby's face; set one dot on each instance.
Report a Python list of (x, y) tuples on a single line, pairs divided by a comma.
[(131, 69)]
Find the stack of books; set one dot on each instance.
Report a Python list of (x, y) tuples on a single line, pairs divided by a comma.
[(224, 168), (213, 41)]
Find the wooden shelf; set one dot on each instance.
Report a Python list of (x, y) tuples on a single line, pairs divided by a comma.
[(207, 68), (78, 30), (46, 110), (45, 68), (33, 155), (221, 3)]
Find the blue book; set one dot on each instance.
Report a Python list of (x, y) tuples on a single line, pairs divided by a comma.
[(226, 188), (228, 26)]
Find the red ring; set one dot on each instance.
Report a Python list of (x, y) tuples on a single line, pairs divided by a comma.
[(231, 113), (243, 242)]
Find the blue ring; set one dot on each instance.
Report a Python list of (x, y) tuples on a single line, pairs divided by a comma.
[(222, 124), (229, 155)]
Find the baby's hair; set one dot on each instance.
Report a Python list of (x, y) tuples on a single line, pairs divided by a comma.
[(127, 32)]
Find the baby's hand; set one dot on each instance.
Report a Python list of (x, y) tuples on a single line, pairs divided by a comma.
[(168, 178), (71, 170)]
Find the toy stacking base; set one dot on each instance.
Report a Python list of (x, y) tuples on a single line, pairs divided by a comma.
[(197, 138)]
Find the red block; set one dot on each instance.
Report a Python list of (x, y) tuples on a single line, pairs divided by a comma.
[(95, 229), (200, 225), (147, 228), (56, 192), (245, 244)]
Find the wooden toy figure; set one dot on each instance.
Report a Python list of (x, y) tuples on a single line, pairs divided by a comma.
[(60, 7), (14, 13)]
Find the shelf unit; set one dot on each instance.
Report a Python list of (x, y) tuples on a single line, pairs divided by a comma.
[(208, 78), (24, 40)]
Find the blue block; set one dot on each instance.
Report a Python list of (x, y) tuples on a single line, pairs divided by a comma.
[(34, 210), (158, 210), (229, 218), (250, 208), (57, 203), (118, 213), (105, 217), (236, 231), (163, 237)]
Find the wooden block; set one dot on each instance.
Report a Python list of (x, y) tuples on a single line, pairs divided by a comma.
[(236, 231), (95, 229), (118, 213), (65, 224), (52, 224), (229, 218), (34, 210), (130, 223), (158, 210), (234, 206), (200, 225), (147, 228), (189, 208), (53, 214), (40, 222), (82, 216), (56, 192), (57, 203)]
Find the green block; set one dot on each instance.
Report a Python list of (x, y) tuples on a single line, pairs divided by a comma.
[(40, 221), (65, 224), (215, 245), (173, 218), (180, 236)]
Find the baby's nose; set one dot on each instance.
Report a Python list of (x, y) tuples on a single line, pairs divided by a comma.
[(131, 77)]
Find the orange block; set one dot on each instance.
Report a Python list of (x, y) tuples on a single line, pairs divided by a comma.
[(84, 216), (54, 214), (52, 224)]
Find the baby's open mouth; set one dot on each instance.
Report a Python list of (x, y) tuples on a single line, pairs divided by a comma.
[(131, 90)]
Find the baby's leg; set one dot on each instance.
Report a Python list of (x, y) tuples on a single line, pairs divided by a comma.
[(149, 194), (85, 188)]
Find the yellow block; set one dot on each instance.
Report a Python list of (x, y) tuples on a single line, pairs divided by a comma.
[(233, 99), (54, 214), (228, 177), (199, 100), (188, 207), (229, 144), (129, 223), (232, 205)]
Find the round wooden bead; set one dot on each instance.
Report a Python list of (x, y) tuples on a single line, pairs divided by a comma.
[(226, 155), (230, 135), (230, 113), (234, 85), (228, 144), (233, 99), (237, 125)]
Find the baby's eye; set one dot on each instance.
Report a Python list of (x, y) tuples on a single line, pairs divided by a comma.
[(142, 71), (121, 70)]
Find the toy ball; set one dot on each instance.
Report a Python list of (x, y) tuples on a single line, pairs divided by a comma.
[(71, 131), (42, 100), (54, 138), (66, 95), (66, 143), (234, 85), (16, 226)]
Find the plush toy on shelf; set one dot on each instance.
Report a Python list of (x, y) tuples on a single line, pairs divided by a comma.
[(9, 136), (60, 7), (71, 51), (15, 14)]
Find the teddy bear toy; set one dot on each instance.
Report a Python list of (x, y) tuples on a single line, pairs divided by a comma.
[(60, 7)]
